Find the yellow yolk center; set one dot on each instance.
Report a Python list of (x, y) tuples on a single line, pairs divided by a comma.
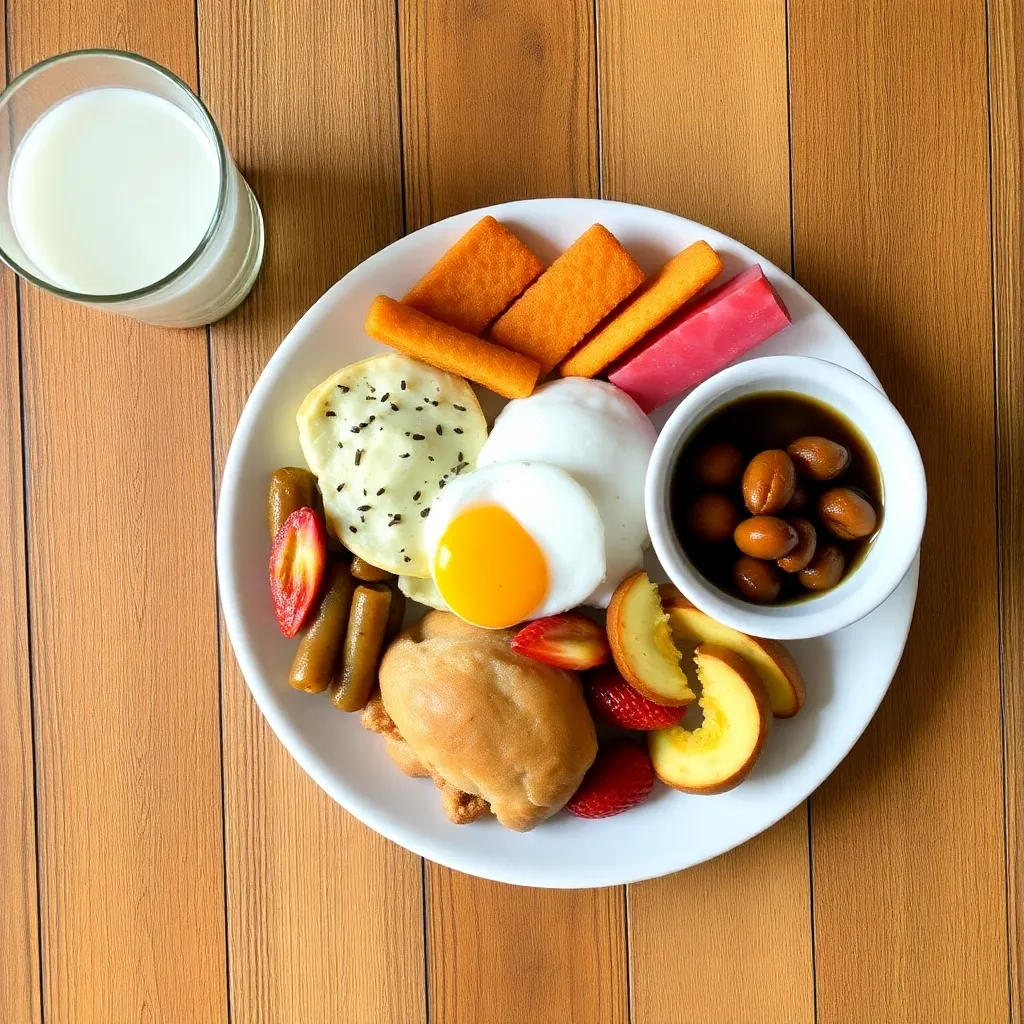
[(489, 569)]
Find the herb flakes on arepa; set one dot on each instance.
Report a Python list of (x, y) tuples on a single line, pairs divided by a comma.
[(383, 437)]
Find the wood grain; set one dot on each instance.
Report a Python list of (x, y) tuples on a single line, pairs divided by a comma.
[(498, 102), (890, 172), (123, 617), (19, 897), (1006, 85), (694, 120), (325, 917)]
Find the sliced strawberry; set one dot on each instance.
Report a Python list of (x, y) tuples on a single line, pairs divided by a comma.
[(297, 560), (620, 778), (570, 641), (614, 700)]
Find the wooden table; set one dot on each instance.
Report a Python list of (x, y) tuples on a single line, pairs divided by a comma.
[(163, 859)]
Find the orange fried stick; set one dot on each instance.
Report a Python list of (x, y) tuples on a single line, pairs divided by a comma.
[(417, 335), (570, 298), (476, 279), (678, 281)]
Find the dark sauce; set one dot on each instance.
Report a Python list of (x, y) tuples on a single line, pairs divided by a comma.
[(773, 420)]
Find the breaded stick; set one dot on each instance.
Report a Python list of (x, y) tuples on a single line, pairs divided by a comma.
[(569, 299), (417, 335), (476, 279), (676, 283)]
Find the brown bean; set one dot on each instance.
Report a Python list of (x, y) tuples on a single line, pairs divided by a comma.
[(756, 580), (320, 642), (712, 518), (799, 500), (364, 642), (807, 543), (718, 465), (825, 569), (819, 458), (765, 537), (368, 572), (768, 482), (847, 513), (291, 488), (396, 613)]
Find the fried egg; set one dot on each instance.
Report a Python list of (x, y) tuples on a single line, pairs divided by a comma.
[(514, 541), (599, 436)]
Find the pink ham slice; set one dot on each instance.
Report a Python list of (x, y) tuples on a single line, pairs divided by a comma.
[(709, 336)]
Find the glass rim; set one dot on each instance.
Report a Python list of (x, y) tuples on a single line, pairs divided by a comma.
[(222, 166)]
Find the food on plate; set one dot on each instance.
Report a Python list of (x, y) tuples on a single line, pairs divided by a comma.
[(809, 480), (755, 580), (356, 674), (768, 658), (720, 753), (514, 541), (476, 279), (570, 641), (702, 340), (765, 537), (803, 551), (620, 778), (768, 482), (712, 518), (676, 283), (320, 642), (508, 729), (422, 337), (601, 438), (818, 458), (718, 465), (642, 645), (615, 702), (396, 612), (297, 559), (368, 573), (291, 488), (847, 513), (380, 436), (422, 591), (569, 299)]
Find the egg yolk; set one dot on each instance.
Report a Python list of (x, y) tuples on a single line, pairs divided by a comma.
[(489, 569)]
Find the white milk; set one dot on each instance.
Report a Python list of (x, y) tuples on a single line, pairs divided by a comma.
[(114, 188)]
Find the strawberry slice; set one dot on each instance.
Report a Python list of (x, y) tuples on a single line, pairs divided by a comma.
[(614, 700), (297, 560), (620, 778), (570, 641)]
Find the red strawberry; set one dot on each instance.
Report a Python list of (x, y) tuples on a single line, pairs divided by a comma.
[(570, 641), (297, 560), (620, 778), (614, 700)]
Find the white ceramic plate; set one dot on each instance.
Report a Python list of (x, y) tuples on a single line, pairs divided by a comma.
[(847, 673)]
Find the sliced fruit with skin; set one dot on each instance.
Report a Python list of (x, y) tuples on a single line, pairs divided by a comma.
[(297, 559), (620, 778), (720, 753), (570, 641), (615, 702), (641, 642), (769, 659)]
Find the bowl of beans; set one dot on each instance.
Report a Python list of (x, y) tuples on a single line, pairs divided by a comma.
[(786, 497)]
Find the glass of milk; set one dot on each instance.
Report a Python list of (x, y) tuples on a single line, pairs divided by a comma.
[(120, 193)]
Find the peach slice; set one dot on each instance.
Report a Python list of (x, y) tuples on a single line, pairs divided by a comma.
[(641, 641), (769, 659), (719, 754)]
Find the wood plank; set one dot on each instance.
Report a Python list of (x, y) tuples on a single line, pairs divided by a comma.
[(122, 603), (694, 120), (19, 895), (325, 917), (1006, 77), (890, 172), (522, 76)]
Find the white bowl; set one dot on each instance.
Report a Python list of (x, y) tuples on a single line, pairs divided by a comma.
[(904, 496)]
